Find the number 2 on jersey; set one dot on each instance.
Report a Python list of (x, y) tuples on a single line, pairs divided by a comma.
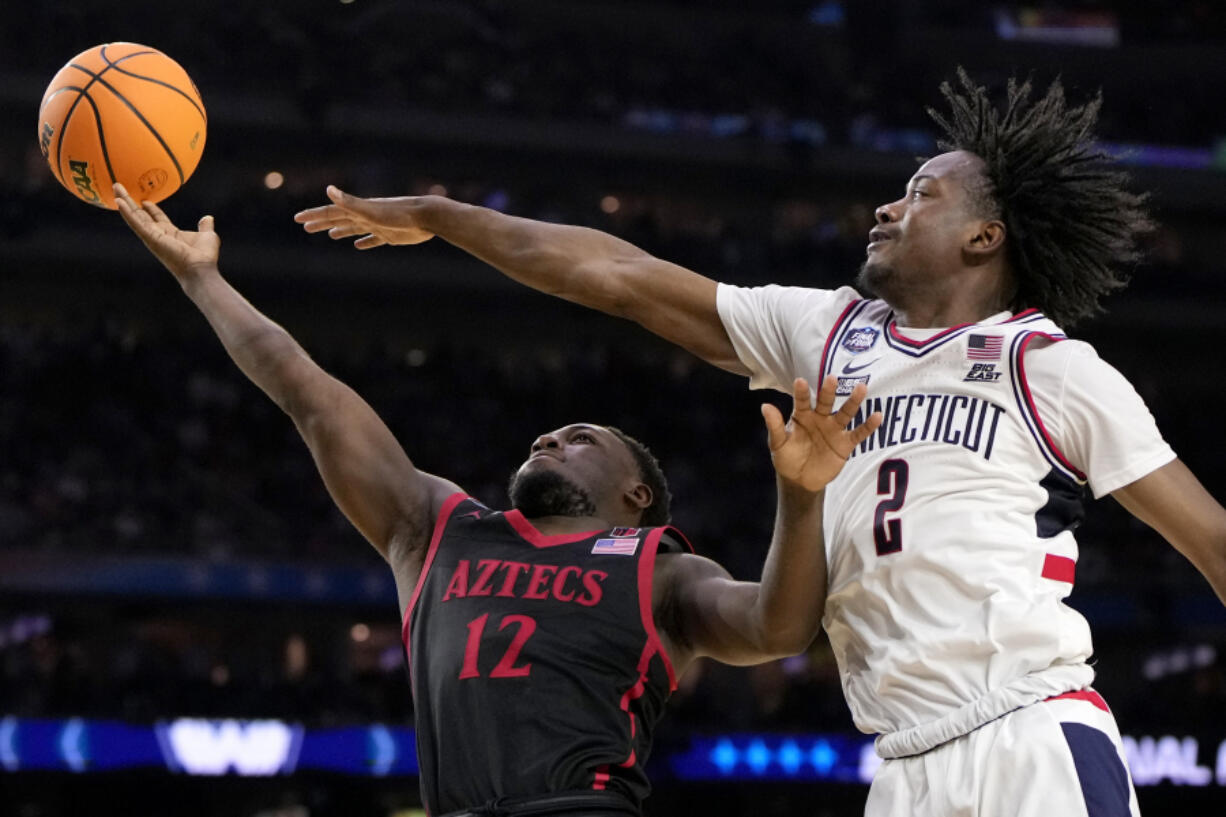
[(525, 627), (892, 479)]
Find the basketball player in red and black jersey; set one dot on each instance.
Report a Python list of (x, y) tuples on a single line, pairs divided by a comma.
[(543, 641)]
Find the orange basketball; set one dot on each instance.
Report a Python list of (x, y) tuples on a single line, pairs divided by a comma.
[(121, 112)]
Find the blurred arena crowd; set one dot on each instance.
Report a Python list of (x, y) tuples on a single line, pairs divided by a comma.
[(154, 446)]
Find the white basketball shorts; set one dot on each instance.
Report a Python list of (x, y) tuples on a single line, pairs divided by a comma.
[(1058, 758)]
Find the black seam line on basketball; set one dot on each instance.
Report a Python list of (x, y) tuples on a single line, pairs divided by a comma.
[(123, 99), (59, 142), (164, 84), (142, 118), (106, 156), (56, 93), (59, 137), (115, 65)]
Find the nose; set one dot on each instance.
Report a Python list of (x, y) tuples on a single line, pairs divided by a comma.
[(885, 214), (545, 441)]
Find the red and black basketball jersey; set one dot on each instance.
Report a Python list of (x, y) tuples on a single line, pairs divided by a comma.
[(534, 660)]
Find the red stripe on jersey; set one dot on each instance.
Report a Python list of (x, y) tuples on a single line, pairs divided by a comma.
[(440, 523), (1085, 695), (653, 646), (647, 571), (1025, 313), (834, 330), (602, 777), (542, 540), (1034, 411), (1059, 568), (892, 328)]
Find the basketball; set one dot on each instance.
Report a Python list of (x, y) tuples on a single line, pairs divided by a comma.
[(121, 112)]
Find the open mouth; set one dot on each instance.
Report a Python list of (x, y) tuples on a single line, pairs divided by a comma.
[(876, 238)]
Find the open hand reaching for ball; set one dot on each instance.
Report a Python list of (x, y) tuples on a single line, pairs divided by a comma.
[(184, 253), (375, 221)]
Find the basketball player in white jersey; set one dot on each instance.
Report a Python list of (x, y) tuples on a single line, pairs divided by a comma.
[(950, 531)]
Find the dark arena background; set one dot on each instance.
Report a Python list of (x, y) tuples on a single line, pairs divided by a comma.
[(188, 627)]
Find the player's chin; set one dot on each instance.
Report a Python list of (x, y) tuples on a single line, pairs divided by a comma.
[(538, 463), (874, 275), (534, 469)]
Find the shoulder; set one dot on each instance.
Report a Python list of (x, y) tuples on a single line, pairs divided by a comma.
[(1058, 359), (674, 541), (678, 576), (784, 300), (679, 579)]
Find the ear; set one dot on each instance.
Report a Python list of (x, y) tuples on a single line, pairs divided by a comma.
[(639, 496), (987, 240)]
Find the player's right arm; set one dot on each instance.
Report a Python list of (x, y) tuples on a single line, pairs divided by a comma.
[(703, 611), (365, 469), (578, 264)]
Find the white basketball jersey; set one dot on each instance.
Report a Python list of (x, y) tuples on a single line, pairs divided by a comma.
[(949, 532)]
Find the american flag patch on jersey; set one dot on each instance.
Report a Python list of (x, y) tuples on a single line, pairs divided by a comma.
[(615, 547), (984, 347)]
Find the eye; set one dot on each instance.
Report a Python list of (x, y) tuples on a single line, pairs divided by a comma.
[(583, 436), (915, 194)]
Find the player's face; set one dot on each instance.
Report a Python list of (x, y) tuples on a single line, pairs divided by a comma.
[(570, 470), (918, 240)]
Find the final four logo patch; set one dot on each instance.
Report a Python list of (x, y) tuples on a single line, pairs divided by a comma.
[(860, 339)]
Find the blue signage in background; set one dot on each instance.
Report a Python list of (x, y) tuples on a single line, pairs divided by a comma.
[(834, 758), (196, 746), (266, 748)]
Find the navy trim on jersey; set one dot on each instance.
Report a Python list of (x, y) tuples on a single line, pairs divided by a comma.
[(837, 332), (918, 348), (1030, 413), (1064, 509), (1101, 773)]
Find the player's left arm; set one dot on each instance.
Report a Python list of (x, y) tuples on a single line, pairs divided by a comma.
[(1104, 426), (1172, 501), (709, 613)]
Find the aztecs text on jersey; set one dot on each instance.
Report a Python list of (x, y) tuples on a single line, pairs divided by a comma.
[(950, 532), (534, 659)]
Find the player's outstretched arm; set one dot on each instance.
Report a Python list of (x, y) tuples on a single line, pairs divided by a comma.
[(1172, 501), (365, 469), (751, 622), (579, 264)]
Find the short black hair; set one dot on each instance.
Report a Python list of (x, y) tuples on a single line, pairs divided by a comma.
[(659, 511), (1070, 224)]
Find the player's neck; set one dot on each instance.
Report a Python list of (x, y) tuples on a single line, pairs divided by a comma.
[(967, 297), (960, 308), (562, 525), (935, 317)]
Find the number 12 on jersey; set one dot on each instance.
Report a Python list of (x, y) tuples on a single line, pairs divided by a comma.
[(892, 479), (524, 626)]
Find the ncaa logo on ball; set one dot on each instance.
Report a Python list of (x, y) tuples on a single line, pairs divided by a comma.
[(151, 180), (860, 340), (84, 182)]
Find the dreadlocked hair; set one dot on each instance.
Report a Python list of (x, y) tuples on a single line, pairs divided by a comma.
[(1069, 223), (659, 511)]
